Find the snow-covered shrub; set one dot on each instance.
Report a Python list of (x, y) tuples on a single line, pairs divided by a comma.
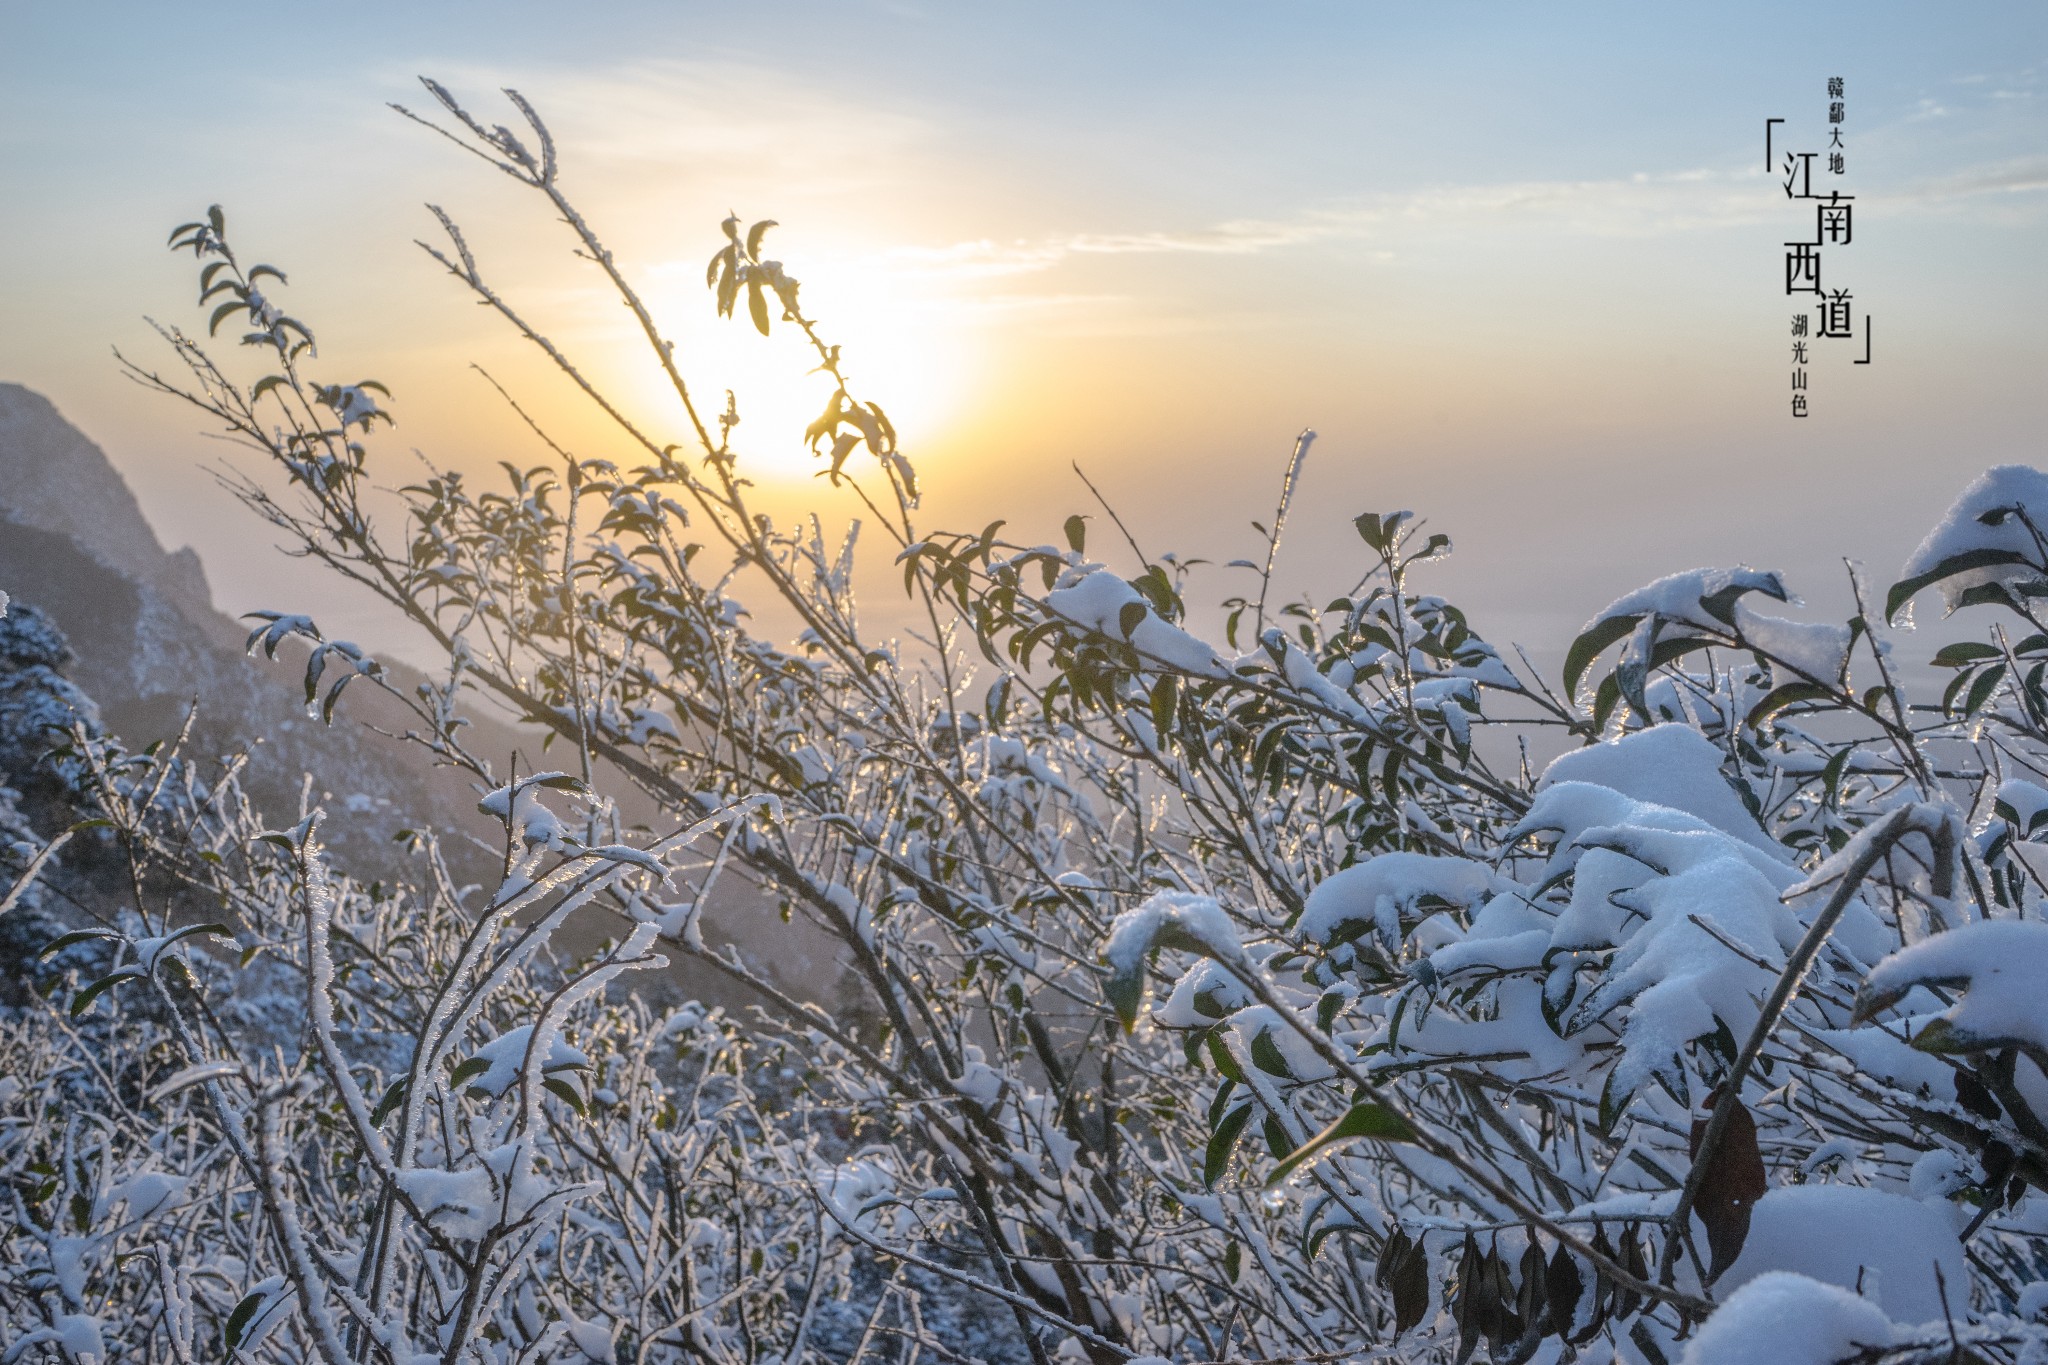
[(378, 1121), (40, 711), (1249, 998)]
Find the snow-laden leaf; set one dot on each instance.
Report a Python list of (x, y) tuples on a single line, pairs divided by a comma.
[(1170, 919), (1997, 964), (493, 1068), (197, 1074), (1987, 536)]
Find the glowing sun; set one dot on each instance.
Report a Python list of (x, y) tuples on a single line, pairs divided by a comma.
[(898, 348)]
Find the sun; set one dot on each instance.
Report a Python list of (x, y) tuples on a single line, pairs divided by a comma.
[(898, 348)]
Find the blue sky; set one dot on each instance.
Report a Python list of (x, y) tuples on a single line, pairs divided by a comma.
[(1520, 265)]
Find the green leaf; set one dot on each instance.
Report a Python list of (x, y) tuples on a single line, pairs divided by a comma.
[(1612, 1103), (334, 696), (1562, 1286), (1981, 690), (1165, 699), (1314, 1245), (1267, 1057), (722, 263), (1216, 1158), (1125, 988), (1964, 652), (1831, 775), (1587, 647), (1224, 1091), (76, 936), (1126, 992), (1902, 592), (1377, 529), (1666, 650), (238, 1321), (1605, 698), (1721, 605), (1277, 1141), (755, 234), (394, 1095), (1632, 669), (1332, 1001), (474, 1066), (1366, 1119), (192, 930), (728, 292), (1437, 544), (1158, 591), (566, 1093), (2005, 595), (1130, 617), (1646, 1341), (1942, 1038), (1077, 532), (1953, 690), (757, 306), (1778, 698), (1226, 1065), (82, 1001)]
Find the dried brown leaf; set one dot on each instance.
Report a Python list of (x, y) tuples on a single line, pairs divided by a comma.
[(1733, 1181)]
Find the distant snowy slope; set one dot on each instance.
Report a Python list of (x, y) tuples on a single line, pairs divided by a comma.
[(53, 477), (74, 541)]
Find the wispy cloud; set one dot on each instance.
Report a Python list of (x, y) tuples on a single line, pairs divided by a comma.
[(2019, 175), (1636, 206), (717, 119)]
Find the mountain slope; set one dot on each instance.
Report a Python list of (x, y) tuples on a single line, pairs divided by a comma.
[(149, 643), (54, 478), (74, 542)]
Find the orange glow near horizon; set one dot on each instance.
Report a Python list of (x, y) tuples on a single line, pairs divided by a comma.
[(899, 349)]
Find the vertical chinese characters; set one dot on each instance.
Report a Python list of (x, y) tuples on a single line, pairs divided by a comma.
[(1838, 111), (1834, 228)]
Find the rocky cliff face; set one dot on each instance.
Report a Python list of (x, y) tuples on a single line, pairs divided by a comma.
[(149, 645), (58, 481)]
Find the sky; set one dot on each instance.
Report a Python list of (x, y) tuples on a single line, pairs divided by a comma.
[(1521, 267)]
